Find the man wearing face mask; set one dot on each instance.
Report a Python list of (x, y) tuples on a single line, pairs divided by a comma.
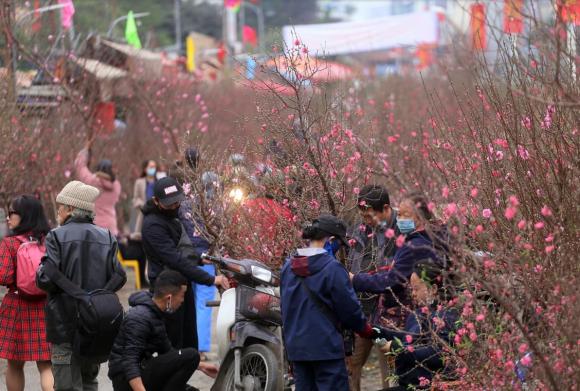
[(416, 222), (373, 246), (162, 233), (142, 357)]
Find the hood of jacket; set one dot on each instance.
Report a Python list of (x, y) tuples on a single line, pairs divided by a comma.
[(142, 298), (309, 261), (106, 184)]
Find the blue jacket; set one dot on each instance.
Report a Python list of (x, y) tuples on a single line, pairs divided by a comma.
[(308, 334), (418, 245)]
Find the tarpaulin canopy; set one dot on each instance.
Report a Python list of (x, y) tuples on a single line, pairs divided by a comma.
[(365, 36)]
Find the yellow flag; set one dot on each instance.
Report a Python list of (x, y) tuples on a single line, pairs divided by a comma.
[(190, 48)]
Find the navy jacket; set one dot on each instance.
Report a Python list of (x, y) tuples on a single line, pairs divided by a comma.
[(308, 334), (142, 334), (426, 356), (161, 235), (418, 245)]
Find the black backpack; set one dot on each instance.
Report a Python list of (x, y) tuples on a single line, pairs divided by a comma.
[(99, 315)]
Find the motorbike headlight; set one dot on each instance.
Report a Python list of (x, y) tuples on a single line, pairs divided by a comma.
[(262, 274), (237, 194)]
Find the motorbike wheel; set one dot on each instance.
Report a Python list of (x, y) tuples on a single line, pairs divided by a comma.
[(259, 370)]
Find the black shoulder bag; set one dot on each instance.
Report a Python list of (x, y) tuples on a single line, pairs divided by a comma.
[(98, 318)]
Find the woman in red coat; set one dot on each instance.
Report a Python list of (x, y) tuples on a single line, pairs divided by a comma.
[(22, 324)]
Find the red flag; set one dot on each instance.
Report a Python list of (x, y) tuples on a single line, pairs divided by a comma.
[(477, 24), (513, 22), (424, 54), (233, 5), (104, 119), (249, 36), (37, 24), (570, 11), (66, 13), (221, 54)]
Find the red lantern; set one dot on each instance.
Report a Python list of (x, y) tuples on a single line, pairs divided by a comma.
[(477, 23), (570, 11), (104, 117), (512, 17)]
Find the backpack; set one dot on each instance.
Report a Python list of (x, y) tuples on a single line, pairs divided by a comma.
[(98, 318), (28, 257)]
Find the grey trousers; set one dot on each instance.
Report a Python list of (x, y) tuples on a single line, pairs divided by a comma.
[(71, 373)]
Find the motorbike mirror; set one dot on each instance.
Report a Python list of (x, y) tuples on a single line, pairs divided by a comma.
[(261, 274)]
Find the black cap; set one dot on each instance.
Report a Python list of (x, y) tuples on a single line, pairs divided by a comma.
[(333, 225), (168, 191)]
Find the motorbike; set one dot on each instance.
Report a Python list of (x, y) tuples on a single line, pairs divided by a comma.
[(248, 329)]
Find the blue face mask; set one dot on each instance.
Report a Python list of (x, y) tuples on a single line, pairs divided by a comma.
[(151, 171), (406, 226), (332, 246)]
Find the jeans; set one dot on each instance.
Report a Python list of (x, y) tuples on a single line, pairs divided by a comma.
[(203, 294), (167, 372), (72, 373), (328, 375)]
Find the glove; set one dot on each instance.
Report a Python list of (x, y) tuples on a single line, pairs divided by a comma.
[(369, 332)]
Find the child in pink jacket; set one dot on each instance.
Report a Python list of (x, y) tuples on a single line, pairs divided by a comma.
[(104, 180)]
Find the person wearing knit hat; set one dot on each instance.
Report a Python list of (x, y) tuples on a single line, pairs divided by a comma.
[(78, 195), (85, 254)]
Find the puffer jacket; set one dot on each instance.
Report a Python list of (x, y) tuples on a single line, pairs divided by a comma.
[(142, 334), (161, 236), (86, 255)]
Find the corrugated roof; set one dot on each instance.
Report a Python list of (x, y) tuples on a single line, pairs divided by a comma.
[(99, 69)]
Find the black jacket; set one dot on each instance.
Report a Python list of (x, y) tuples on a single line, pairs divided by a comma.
[(85, 254), (161, 236), (142, 334)]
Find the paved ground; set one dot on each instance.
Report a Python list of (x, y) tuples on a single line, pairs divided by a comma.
[(371, 377)]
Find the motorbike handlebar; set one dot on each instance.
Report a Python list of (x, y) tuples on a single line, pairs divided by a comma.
[(219, 260)]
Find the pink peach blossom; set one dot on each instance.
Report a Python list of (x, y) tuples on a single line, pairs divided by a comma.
[(546, 211), (400, 241)]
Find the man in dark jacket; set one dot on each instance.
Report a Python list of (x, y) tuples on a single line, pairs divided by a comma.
[(317, 303), (167, 246), (87, 256), (142, 357), (413, 221), (372, 246)]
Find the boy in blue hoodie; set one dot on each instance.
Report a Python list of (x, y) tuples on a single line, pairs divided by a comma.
[(318, 302)]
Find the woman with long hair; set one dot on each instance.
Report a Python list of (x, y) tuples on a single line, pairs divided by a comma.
[(22, 324)]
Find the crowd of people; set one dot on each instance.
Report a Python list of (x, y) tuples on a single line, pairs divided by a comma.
[(393, 290)]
